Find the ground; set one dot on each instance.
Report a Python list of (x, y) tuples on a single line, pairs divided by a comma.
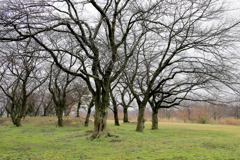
[(39, 138)]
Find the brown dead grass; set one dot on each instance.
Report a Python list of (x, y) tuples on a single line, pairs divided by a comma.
[(4, 121), (170, 120), (227, 121)]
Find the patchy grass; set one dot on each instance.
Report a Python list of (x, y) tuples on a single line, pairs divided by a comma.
[(39, 138)]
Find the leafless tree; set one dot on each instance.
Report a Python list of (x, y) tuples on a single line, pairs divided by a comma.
[(79, 94), (21, 75), (115, 104), (97, 40), (187, 48), (59, 83), (126, 99), (179, 37)]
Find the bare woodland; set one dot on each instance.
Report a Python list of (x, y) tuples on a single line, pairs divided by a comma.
[(117, 54)]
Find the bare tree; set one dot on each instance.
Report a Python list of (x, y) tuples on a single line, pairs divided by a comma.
[(173, 33), (126, 100), (47, 105), (59, 87), (97, 40), (186, 48), (21, 76), (115, 106), (79, 94), (34, 103)]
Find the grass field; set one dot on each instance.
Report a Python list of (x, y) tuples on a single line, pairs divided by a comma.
[(39, 138)]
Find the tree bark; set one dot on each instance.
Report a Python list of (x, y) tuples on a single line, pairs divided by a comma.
[(78, 108), (60, 115), (21, 113), (91, 104), (125, 115), (100, 121), (101, 113), (154, 118), (115, 112), (18, 121), (140, 120)]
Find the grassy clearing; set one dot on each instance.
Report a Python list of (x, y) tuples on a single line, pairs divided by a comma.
[(39, 138)]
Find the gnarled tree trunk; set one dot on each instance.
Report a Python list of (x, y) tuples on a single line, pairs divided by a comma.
[(101, 114)]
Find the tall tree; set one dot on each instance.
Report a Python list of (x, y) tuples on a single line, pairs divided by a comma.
[(187, 45), (103, 35), (97, 29)]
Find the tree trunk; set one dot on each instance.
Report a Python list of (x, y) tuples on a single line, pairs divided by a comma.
[(115, 112), (21, 113), (45, 111), (91, 104), (101, 113), (13, 119), (140, 120), (125, 114), (115, 109), (18, 121), (154, 118), (78, 108), (60, 115)]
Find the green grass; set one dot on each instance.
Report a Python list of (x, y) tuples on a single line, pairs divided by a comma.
[(39, 138)]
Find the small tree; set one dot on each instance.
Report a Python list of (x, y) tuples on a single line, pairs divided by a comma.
[(59, 83)]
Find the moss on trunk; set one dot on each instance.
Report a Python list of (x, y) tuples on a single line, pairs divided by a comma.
[(140, 120), (101, 113)]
